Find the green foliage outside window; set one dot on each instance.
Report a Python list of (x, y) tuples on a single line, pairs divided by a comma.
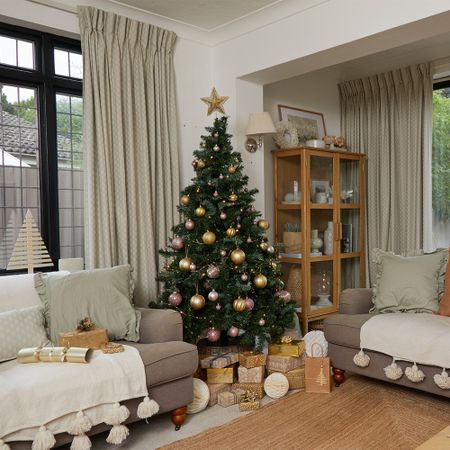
[(441, 154)]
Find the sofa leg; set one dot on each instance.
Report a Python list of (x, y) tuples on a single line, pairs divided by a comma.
[(338, 376), (178, 416)]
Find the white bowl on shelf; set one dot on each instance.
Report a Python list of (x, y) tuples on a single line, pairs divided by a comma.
[(316, 143)]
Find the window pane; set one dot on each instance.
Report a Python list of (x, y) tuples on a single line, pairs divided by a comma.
[(441, 167), (25, 54), (70, 180), (61, 62), (76, 65), (8, 51), (19, 164)]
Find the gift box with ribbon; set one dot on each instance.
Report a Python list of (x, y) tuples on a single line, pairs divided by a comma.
[(249, 401), (287, 347), (219, 361)]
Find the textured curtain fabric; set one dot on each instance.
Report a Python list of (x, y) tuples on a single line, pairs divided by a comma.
[(130, 141), (388, 116)]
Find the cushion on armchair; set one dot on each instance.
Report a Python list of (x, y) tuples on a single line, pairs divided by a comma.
[(105, 295), (408, 284)]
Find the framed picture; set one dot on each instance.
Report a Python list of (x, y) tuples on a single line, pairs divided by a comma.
[(320, 191), (310, 124)]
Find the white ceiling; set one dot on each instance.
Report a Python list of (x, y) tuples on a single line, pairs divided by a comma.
[(204, 14)]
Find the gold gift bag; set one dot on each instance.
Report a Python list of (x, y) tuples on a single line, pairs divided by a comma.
[(317, 373)]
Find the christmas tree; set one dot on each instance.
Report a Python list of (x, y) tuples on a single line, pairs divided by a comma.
[(221, 273)]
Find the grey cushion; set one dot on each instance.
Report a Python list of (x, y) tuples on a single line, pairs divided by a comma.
[(344, 329), (21, 328), (102, 294), (167, 361)]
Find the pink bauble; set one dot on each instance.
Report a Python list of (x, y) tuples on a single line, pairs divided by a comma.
[(218, 306), (223, 253), (177, 243), (255, 221), (212, 271), (283, 295), (175, 298), (270, 249), (213, 296), (249, 303), (244, 277), (249, 240), (216, 194), (261, 322), (233, 331), (221, 177), (223, 215), (213, 334), (189, 225), (192, 267)]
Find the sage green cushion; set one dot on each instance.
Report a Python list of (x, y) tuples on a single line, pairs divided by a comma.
[(105, 295), (408, 283)]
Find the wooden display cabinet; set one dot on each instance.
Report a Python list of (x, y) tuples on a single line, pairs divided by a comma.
[(319, 189)]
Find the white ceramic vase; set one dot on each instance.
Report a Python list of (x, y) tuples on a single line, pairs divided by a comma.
[(328, 239), (316, 242)]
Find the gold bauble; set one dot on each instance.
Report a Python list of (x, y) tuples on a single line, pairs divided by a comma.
[(260, 281), (197, 301), (239, 305), (237, 256), (200, 211), (185, 200), (233, 198), (231, 169), (231, 232), (263, 224), (201, 164), (275, 266), (209, 238), (264, 246), (185, 263)]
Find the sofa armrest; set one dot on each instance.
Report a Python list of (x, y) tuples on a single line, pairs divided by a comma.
[(355, 301), (160, 325)]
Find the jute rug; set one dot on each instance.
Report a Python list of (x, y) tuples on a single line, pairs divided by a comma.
[(361, 414)]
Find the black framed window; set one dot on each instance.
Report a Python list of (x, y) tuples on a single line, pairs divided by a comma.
[(440, 164), (41, 147)]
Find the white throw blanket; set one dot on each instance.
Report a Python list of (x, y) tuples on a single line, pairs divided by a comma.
[(419, 338), (32, 395)]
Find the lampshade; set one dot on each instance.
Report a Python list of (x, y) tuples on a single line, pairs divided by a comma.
[(260, 123)]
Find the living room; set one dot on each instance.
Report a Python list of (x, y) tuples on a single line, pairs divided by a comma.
[(117, 199)]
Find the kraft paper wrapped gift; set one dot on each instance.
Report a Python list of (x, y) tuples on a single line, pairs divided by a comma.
[(252, 359), (283, 364), (229, 398), (219, 361), (253, 375), (224, 375), (295, 377), (257, 388), (94, 339), (249, 401), (287, 347), (215, 390), (208, 350)]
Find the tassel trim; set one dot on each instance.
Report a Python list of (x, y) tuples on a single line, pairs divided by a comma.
[(4, 445), (414, 374), (442, 380), (147, 408), (117, 415), (361, 359), (393, 371), (44, 439)]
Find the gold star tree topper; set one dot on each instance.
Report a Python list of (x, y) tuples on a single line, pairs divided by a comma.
[(215, 102)]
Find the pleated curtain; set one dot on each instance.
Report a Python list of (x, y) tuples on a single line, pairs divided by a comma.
[(389, 117), (130, 144)]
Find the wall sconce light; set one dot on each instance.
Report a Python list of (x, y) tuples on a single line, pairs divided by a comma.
[(258, 124)]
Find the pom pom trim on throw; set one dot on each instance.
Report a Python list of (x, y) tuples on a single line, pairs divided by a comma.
[(441, 380), (361, 359), (393, 371), (414, 374), (117, 415), (44, 440), (147, 408), (4, 445)]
